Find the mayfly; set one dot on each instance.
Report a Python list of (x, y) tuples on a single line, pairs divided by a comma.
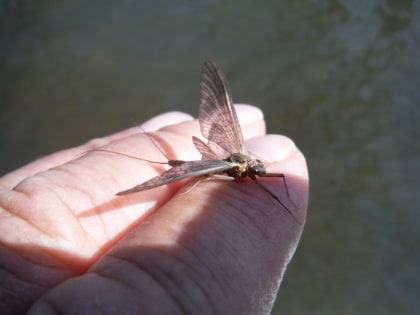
[(224, 153)]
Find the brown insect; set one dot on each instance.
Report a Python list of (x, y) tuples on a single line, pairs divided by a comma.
[(224, 153)]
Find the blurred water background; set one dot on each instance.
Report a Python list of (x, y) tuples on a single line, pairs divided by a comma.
[(340, 77)]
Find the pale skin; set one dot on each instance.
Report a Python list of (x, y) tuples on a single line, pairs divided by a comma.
[(68, 244)]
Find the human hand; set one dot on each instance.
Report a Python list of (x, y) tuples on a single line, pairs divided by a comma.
[(68, 244)]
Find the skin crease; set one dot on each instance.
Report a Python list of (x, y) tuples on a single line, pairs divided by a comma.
[(68, 244)]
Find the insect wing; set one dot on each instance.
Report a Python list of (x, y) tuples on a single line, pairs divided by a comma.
[(217, 116), (176, 173), (206, 152)]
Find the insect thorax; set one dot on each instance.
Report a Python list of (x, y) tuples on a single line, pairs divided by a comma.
[(244, 166)]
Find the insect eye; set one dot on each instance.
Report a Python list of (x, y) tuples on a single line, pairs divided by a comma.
[(258, 169)]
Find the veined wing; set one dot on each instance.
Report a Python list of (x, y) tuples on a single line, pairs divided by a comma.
[(206, 152), (217, 117), (184, 170)]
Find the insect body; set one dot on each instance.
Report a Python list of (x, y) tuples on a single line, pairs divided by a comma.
[(224, 153)]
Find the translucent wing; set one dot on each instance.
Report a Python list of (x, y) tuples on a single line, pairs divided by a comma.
[(206, 152), (184, 170), (217, 117)]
